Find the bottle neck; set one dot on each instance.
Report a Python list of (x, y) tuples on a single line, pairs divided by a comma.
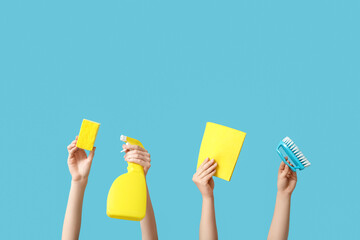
[(133, 167)]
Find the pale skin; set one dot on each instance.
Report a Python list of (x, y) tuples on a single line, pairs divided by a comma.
[(205, 183), (279, 229), (140, 156), (79, 166)]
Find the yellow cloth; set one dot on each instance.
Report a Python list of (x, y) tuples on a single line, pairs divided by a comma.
[(223, 144)]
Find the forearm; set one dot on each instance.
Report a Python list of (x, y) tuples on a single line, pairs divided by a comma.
[(72, 221), (148, 224), (279, 229), (208, 230)]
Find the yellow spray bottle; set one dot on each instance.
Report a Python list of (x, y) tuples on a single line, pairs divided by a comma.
[(127, 196)]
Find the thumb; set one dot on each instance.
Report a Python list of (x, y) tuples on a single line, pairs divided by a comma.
[(92, 153)]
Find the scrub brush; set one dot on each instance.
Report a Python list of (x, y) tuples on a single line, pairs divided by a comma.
[(295, 156)]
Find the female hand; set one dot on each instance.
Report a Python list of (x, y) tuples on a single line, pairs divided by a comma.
[(79, 163), (286, 179), (138, 155), (203, 177)]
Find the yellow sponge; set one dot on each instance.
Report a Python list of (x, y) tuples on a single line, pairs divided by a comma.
[(87, 135), (223, 144)]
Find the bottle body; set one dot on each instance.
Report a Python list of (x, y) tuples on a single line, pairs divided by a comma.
[(127, 196)]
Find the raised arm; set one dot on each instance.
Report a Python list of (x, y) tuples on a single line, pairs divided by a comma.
[(204, 181), (279, 229), (136, 154), (79, 166)]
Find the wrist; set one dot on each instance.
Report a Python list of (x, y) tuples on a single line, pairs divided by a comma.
[(81, 183), (208, 197), (283, 195)]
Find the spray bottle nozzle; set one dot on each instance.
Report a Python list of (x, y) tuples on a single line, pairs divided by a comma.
[(123, 138)]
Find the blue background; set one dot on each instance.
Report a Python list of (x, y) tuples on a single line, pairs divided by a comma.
[(158, 71)]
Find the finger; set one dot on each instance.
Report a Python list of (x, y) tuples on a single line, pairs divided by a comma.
[(92, 153), (137, 153), (282, 166), (138, 161), (72, 151), (290, 170), (146, 157), (286, 171), (205, 166), (142, 158), (134, 147), (204, 162), (290, 163), (209, 170), (71, 146), (207, 177), (73, 142), (124, 148), (199, 169)]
